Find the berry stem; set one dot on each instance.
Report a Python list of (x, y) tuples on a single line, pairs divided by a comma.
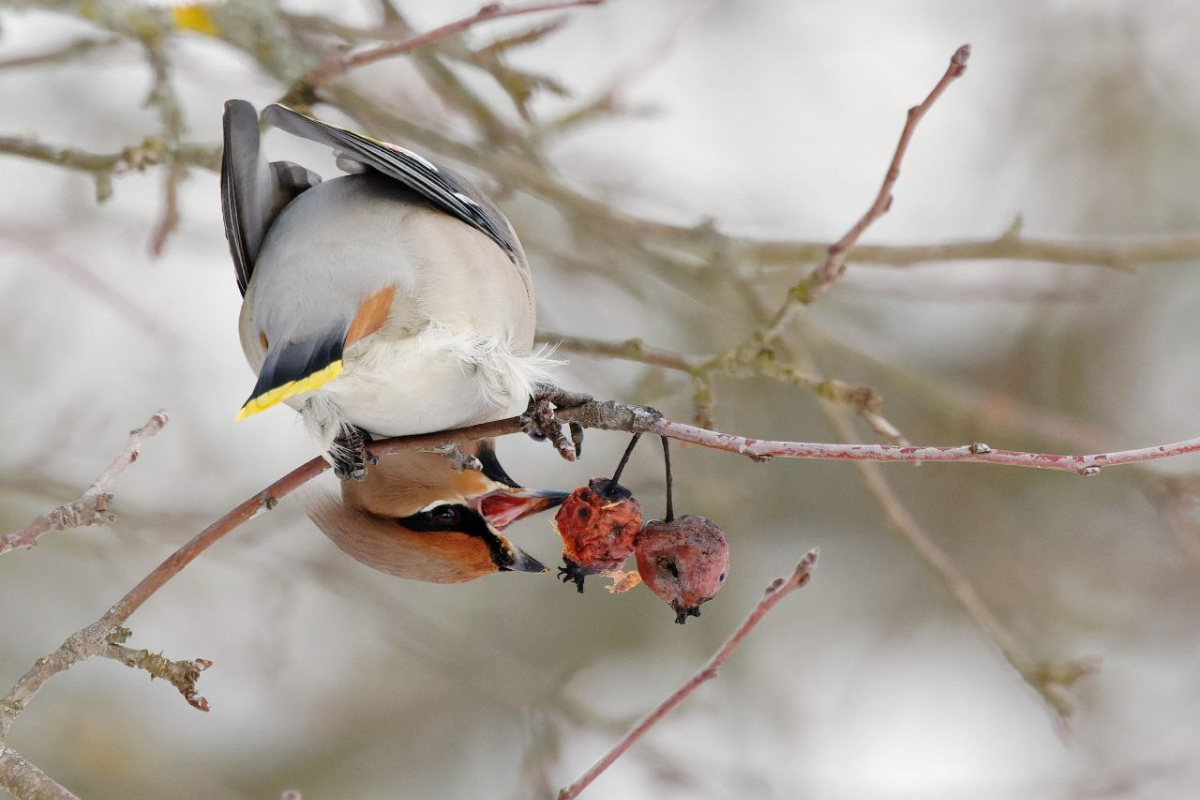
[(616, 478), (667, 462)]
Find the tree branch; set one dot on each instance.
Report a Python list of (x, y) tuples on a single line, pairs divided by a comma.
[(326, 72), (151, 152), (26, 781), (92, 507), (778, 590), (823, 277), (738, 364)]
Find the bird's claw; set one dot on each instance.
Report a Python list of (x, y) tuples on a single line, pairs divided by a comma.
[(540, 422), (350, 456)]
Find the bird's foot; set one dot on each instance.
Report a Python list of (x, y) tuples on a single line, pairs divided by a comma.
[(350, 456), (572, 573), (540, 423)]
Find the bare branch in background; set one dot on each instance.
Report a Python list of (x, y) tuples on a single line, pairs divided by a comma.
[(26, 781), (104, 166), (778, 590), (823, 277), (737, 364), (335, 68), (68, 52), (164, 98), (960, 587), (92, 507)]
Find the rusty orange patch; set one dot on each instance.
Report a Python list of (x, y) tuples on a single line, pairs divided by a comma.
[(372, 312)]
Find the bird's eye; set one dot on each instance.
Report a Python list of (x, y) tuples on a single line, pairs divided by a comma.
[(445, 515), (584, 512)]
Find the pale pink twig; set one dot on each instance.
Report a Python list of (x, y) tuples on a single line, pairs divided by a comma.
[(778, 590), (824, 276), (980, 453)]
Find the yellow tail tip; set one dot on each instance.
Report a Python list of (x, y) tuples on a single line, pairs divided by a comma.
[(290, 389)]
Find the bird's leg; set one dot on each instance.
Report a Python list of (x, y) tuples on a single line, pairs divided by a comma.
[(350, 455), (539, 421)]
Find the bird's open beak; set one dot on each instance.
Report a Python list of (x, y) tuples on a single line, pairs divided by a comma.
[(503, 508)]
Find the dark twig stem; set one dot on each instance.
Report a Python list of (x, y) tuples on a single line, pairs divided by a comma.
[(666, 443), (616, 478)]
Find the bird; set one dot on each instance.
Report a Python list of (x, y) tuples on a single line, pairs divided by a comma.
[(394, 299)]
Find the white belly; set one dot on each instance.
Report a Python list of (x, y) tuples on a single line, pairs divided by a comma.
[(421, 384)]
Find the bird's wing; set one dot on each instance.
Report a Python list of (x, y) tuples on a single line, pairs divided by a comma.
[(440, 186), (252, 190)]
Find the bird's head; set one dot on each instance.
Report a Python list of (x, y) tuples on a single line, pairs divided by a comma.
[(416, 516)]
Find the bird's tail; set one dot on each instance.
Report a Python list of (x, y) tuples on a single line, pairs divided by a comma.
[(294, 368)]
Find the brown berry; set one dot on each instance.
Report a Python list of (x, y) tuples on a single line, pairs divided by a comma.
[(684, 561), (598, 524)]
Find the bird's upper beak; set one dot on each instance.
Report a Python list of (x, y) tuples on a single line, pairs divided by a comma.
[(502, 508)]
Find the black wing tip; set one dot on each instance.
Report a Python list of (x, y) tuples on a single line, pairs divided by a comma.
[(235, 106), (278, 111)]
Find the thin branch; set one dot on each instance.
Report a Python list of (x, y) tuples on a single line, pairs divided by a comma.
[(324, 73), (628, 350), (979, 453), (183, 674), (823, 277), (26, 781), (104, 166), (92, 507), (60, 54), (778, 590), (164, 98), (739, 364), (956, 582)]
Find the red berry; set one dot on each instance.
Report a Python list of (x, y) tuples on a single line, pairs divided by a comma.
[(598, 524), (684, 561)]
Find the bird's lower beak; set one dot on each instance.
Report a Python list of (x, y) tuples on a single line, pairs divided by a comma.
[(502, 508), (527, 563)]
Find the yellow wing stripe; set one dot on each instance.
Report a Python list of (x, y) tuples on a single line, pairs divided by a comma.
[(290, 389)]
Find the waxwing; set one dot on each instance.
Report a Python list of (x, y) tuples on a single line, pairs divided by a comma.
[(392, 300)]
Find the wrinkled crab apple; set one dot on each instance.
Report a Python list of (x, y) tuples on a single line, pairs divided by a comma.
[(598, 524), (684, 561)]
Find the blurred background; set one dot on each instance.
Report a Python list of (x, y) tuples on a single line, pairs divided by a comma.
[(641, 151)]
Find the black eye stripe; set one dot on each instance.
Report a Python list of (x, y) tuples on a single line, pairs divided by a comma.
[(448, 518)]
